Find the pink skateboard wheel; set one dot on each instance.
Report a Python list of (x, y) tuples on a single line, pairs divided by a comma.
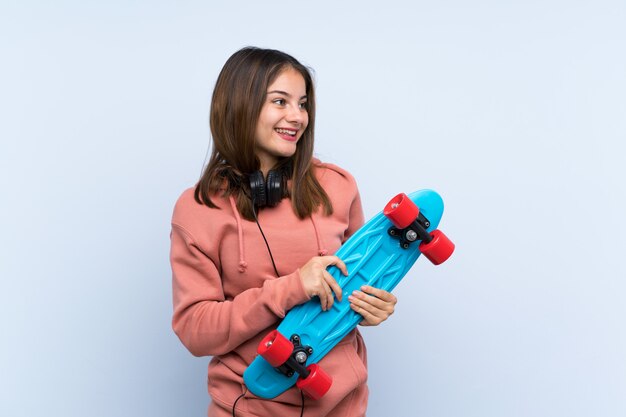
[(275, 348), (439, 249), (316, 384), (401, 210)]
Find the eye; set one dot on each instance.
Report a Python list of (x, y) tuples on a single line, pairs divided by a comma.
[(303, 105), (279, 101)]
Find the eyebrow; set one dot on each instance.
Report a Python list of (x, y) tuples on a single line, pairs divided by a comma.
[(285, 93)]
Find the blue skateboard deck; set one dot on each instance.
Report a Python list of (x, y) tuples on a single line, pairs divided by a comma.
[(372, 257)]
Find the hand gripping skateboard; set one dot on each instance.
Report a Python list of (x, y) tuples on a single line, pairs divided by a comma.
[(379, 254)]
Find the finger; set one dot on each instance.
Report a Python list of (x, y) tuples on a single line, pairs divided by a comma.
[(365, 306), (379, 293), (374, 301), (332, 283), (368, 318), (334, 260), (328, 296)]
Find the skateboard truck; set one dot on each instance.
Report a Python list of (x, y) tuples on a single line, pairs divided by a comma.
[(297, 360), (289, 357), (411, 233), (410, 225)]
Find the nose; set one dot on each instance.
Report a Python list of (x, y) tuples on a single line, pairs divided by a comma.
[(296, 115)]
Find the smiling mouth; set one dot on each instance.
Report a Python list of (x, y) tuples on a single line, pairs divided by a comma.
[(289, 132)]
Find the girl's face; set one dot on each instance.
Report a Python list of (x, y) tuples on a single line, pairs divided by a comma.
[(282, 120)]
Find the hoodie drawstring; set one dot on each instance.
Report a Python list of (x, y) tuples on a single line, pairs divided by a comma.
[(242, 259), (320, 245)]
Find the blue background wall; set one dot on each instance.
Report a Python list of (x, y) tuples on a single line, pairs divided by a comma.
[(514, 111)]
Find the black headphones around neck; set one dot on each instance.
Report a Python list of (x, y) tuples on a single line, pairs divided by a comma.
[(266, 193)]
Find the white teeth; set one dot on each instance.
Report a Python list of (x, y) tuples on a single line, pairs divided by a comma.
[(287, 132)]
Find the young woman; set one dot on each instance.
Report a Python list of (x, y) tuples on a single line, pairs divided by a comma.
[(254, 237)]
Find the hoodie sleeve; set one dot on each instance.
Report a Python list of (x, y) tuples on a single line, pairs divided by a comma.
[(357, 218), (207, 323)]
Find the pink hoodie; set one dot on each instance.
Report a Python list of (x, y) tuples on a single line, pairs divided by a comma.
[(227, 297)]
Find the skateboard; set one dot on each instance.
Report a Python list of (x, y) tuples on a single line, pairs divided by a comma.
[(379, 254)]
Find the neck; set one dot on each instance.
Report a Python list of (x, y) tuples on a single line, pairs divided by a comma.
[(266, 165)]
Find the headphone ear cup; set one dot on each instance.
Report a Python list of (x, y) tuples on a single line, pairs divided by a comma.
[(274, 187), (257, 189)]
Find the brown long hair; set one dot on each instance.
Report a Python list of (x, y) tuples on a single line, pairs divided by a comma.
[(238, 97)]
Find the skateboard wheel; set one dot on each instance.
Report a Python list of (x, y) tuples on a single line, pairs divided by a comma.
[(439, 249), (401, 210), (275, 348), (316, 384)]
